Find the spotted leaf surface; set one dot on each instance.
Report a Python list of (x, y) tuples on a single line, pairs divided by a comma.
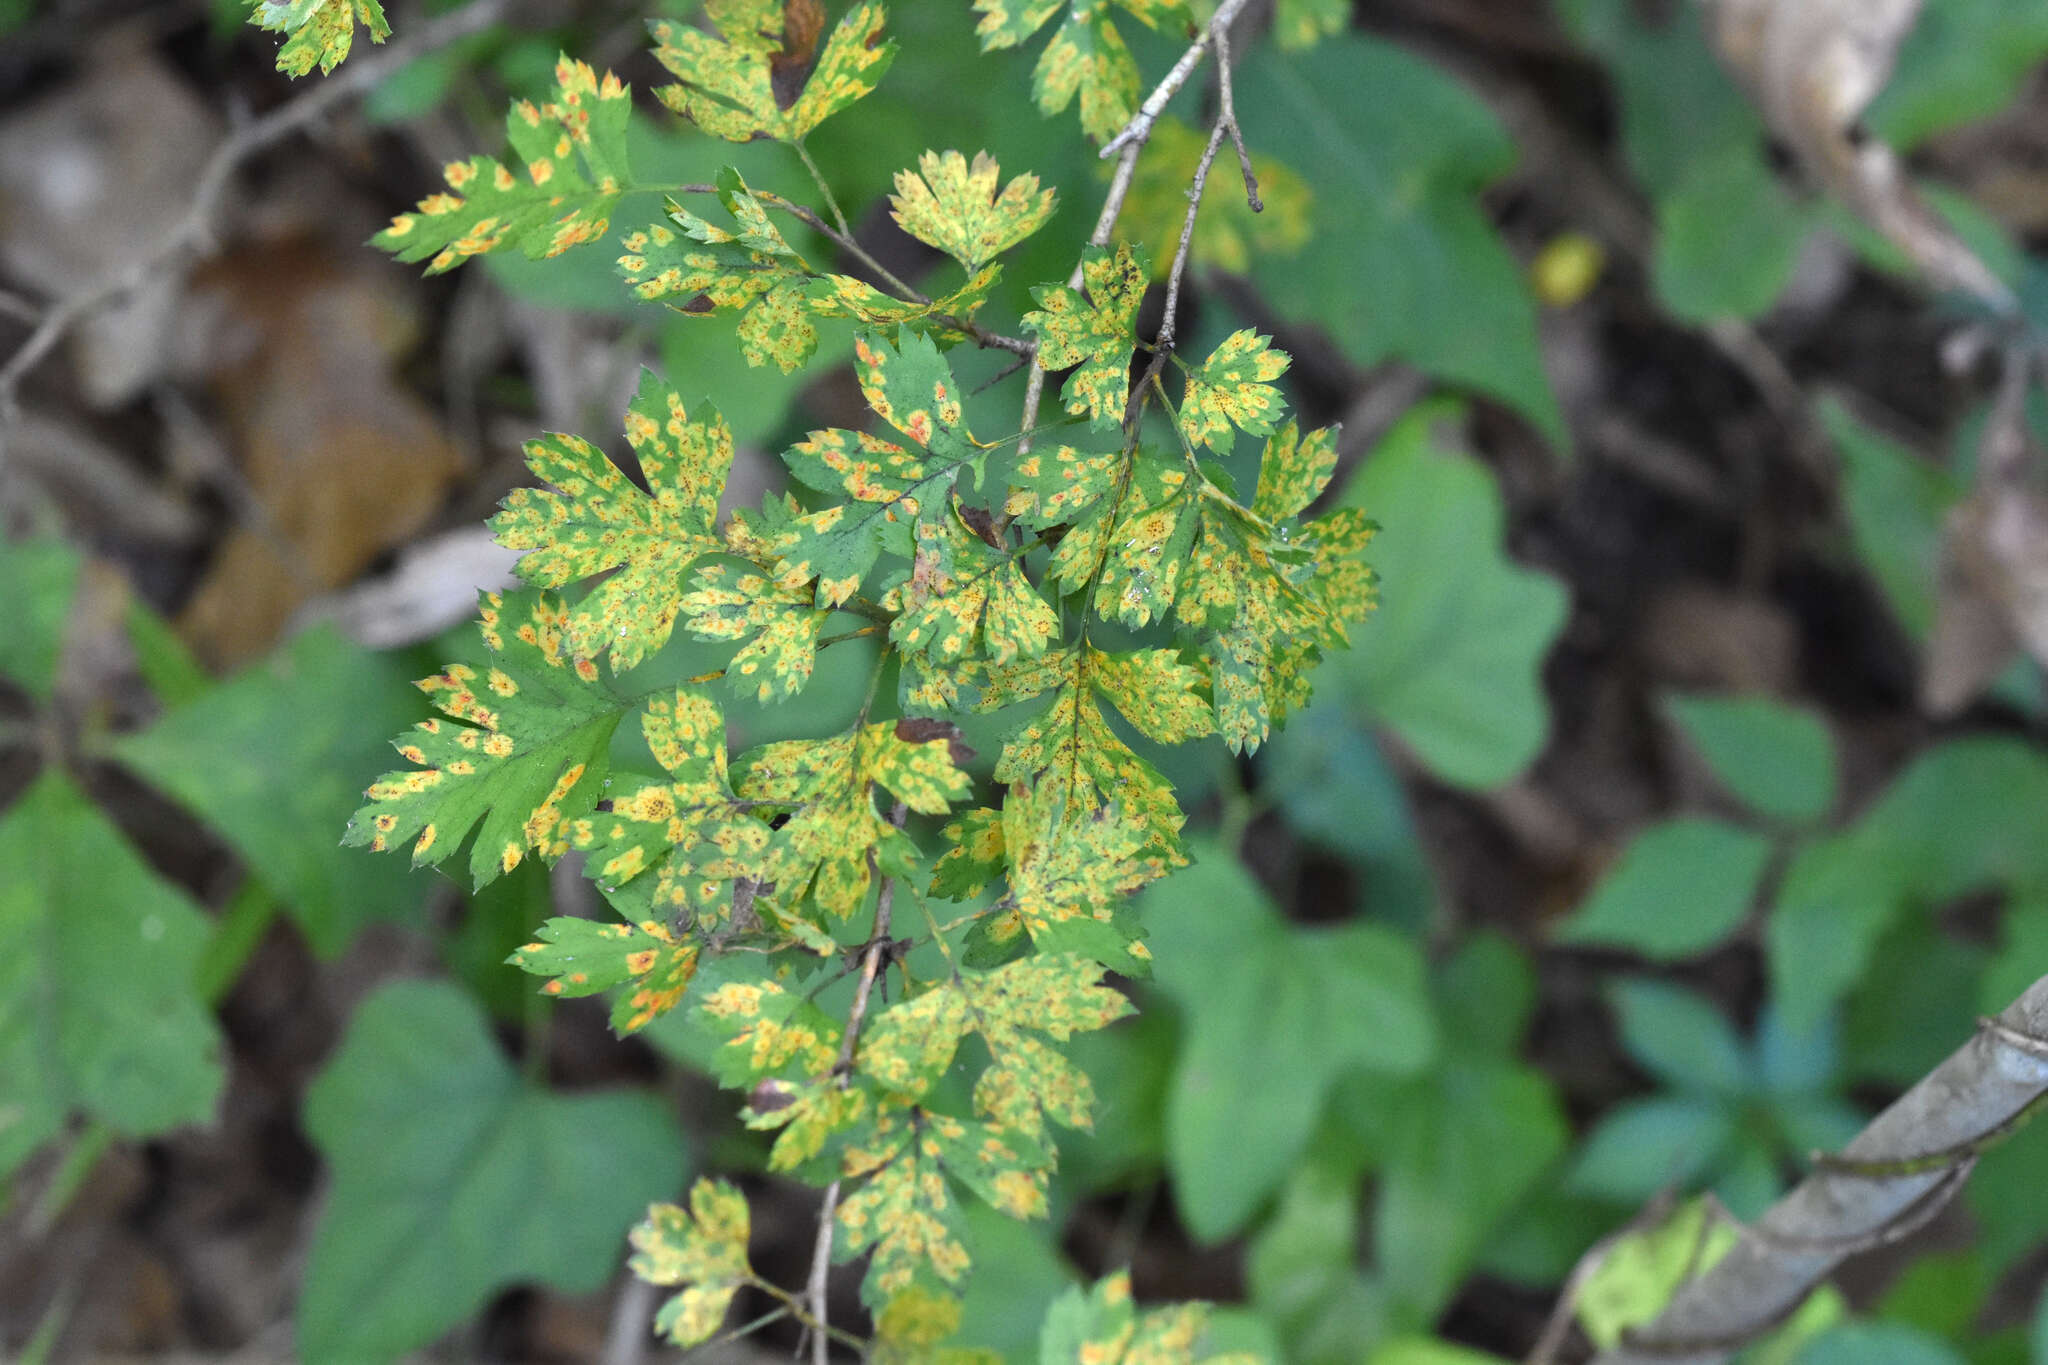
[(1069, 750), (98, 1013), (1093, 331), (725, 83), (1103, 1327), (830, 786), (842, 296), (1234, 389), (684, 844), (595, 520), (703, 1247), (318, 32), (965, 596), (703, 270), (1070, 871), (571, 171), (1138, 559), (954, 206), (1293, 471), (887, 484), (1086, 56), (905, 1214), (777, 628), (911, 1044), (1266, 602), (523, 750), (1160, 695), (584, 957)]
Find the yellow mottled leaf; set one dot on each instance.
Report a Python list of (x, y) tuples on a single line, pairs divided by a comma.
[(704, 1247), (956, 207)]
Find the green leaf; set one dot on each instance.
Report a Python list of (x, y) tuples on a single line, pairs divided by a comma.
[(1293, 471), (1631, 1285), (1402, 261), (1249, 1082), (1419, 1351), (1304, 23), (1233, 389), (704, 1247), (725, 84), (1960, 61), (99, 1013), (1642, 1146), (1778, 759), (274, 759), (1961, 818), (531, 754), (600, 521), (955, 207), (1680, 1038), (778, 625), (886, 485), (1102, 1325), (318, 32), (453, 1178), (1878, 1343), (38, 578), (548, 207), (1093, 330), (1679, 888), (749, 269), (1300, 1273), (1452, 660), (1896, 502)]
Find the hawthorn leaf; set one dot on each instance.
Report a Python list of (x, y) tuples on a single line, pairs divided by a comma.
[(1101, 1324), (1679, 888), (1452, 660), (530, 755), (691, 832), (948, 204), (749, 269), (1402, 261), (704, 1247), (905, 1214), (274, 759), (1088, 57), (1293, 471), (585, 957), (39, 578), (99, 1010), (452, 1177), (835, 831), (777, 625), (544, 209), (1161, 696), (888, 485), (318, 32), (1070, 873), (1093, 330), (965, 596), (594, 520), (1245, 1093), (725, 84), (1233, 389)]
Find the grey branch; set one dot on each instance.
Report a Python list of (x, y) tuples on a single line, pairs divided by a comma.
[(1882, 1187)]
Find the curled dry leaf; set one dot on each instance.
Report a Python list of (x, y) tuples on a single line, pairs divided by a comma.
[(1813, 67)]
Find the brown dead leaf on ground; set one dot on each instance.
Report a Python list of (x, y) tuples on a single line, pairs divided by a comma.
[(1813, 67), (340, 461)]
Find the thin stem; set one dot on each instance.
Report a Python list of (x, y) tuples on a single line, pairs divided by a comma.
[(824, 187), (872, 959), (1228, 117), (1126, 146)]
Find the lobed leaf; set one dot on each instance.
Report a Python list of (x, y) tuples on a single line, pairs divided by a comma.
[(776, 623), (549, 207), (725, 84), (1232, 389), (599, 521), (318, 32), (529, 758), (704, 1247), (1093, 331), (948, 204)]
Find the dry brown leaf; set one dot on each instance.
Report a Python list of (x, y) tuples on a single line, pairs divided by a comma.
[(340, 460), (1813, 67)]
